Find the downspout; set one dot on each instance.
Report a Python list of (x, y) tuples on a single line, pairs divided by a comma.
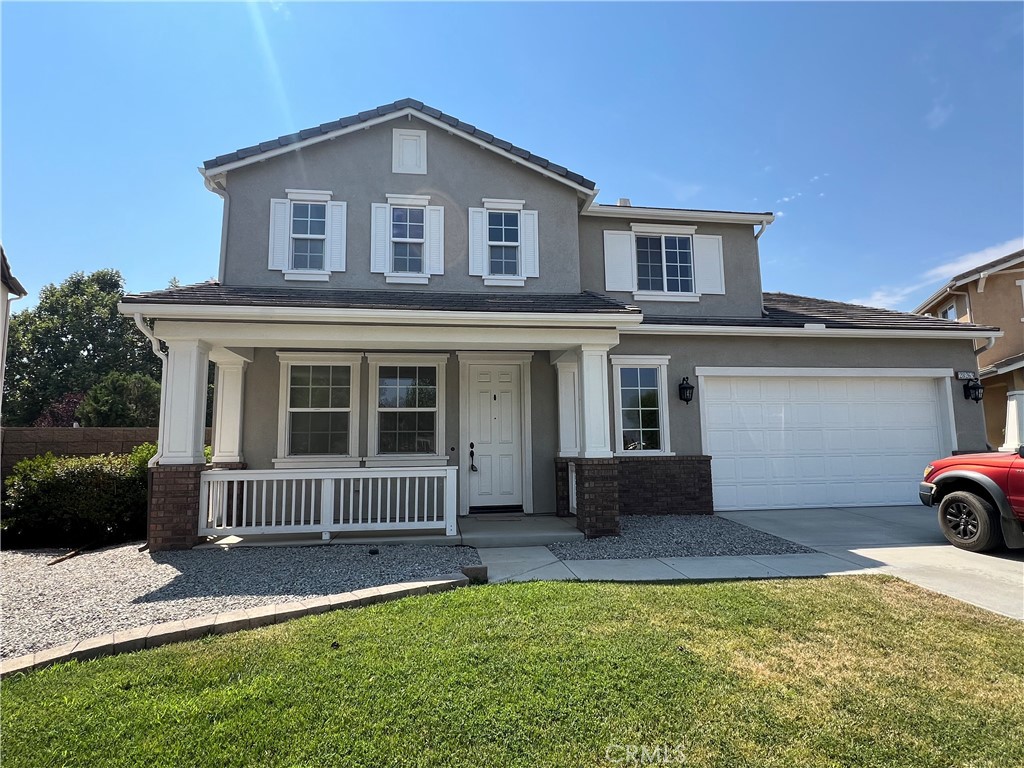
[(764, 225), (148, 333), (757, 236)]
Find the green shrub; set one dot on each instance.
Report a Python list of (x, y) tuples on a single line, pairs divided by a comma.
[(63, 501), (121, 400)]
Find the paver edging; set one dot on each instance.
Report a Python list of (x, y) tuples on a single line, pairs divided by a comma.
[(225, 622)]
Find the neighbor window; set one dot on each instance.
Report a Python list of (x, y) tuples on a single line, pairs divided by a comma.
[(407, 414), (309, 234), (503, 242), (318, 415), (407, 239), (664, 263), (950, 313), (640, 404)]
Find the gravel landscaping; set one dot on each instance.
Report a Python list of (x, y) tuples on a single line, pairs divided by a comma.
[(120, 587), (677, 536)]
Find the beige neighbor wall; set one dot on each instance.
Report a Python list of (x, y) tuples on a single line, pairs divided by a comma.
[(689, 352), (1001, 305), (262, 384), (357, 169), (742, 297)]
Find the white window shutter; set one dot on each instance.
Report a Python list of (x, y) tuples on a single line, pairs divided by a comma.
[(528, 244), (708, 269), (477, 241), (434, 237), (280, 234), (380, 238), (619, 261), (337, 214)]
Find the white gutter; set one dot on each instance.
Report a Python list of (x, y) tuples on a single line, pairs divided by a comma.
[(815, 332), (216, 185), (386, 317), (676, 214), (155, 342), (764, 225)]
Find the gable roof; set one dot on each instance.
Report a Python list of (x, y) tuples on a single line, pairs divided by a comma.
[(383, 113), (974, 273), (787, 310), (12, 283)]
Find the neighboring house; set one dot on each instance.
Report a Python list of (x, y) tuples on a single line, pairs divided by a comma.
[(10, 290), (992, 294), (416, 320)]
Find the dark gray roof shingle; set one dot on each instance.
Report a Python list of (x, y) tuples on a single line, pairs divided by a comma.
[(207, 294), (785, 310), (386, 109)]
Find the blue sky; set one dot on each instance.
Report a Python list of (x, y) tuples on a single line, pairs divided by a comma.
[(889, 139)]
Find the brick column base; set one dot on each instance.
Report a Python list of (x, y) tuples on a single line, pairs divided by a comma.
[(562, 487), (597, 496), (229, 465), (174, 506), (665, 485)]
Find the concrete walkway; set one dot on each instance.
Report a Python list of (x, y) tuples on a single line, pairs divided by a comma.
[(900, 541)]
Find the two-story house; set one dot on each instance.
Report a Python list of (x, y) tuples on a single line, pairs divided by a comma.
[(415, 321), (992, 294)]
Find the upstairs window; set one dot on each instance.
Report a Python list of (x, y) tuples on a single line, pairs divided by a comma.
[(664, 263), (407, 239), (503, 242), (307, 235), (950, 313)]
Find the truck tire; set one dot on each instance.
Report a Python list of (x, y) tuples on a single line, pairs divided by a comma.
[(969, 522)]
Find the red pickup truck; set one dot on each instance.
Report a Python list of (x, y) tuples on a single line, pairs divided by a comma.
[(980, 498)]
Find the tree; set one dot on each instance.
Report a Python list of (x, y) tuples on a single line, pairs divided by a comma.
[(121, 400), (68, 342)]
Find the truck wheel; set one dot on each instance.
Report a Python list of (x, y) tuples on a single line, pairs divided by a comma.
[(969, 522)]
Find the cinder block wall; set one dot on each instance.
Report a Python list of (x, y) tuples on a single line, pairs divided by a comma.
[(25, 442)]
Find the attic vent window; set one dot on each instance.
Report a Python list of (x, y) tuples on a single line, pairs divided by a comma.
[(408, 151)]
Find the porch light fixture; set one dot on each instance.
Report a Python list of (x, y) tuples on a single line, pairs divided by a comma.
[(686, 390), (974, 390)]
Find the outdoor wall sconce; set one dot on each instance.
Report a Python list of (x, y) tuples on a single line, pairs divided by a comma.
[(686, 390), (974, 390)]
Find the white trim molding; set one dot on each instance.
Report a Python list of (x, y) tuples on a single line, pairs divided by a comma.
[(662, 229), (810, 331), (676, 214), (921, 373), (523, 360), (309, 195), (408, 201), (496, 204), (659, 362), (283, 459)]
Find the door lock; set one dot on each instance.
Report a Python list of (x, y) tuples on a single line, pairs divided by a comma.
[(472, 466)]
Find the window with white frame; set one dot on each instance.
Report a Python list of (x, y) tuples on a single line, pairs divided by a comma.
[(664, 263), (407, 418), (950, 313), (307, 235), (503, 242), (319, 406), (504, 247), (641, 414), (407, 239)]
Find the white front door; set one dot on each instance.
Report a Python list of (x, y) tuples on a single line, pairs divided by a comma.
[(495, 436)]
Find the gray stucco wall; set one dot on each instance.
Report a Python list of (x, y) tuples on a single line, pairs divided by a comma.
[(357, 169), (742, 296), (261, 415), (689, 352)]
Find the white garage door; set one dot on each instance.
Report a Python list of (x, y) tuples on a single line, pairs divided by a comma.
[(785, 442)]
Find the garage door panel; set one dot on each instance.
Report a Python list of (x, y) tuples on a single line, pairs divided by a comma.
[(779, 441)]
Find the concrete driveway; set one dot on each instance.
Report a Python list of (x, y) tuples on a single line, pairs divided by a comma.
[(906, 542)]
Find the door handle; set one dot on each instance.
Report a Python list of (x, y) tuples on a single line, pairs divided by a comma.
[(472, 466)]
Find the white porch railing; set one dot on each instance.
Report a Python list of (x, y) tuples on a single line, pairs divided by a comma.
[(246, 502)]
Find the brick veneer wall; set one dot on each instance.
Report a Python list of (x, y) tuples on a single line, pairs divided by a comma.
[(173, 521), (665, 485), (640, 485), (25, 442)]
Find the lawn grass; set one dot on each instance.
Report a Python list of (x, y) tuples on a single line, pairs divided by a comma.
[(849, 671)]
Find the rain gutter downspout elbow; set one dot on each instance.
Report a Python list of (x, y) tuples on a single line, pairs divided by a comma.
[(155, 342)]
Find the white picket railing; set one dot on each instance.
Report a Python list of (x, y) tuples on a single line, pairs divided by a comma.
[(246, 502)]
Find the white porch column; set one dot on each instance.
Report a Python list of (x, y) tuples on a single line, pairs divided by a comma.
[(229, 395), (1013, 437), (567, 368), (183, 402), (595, 440)]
